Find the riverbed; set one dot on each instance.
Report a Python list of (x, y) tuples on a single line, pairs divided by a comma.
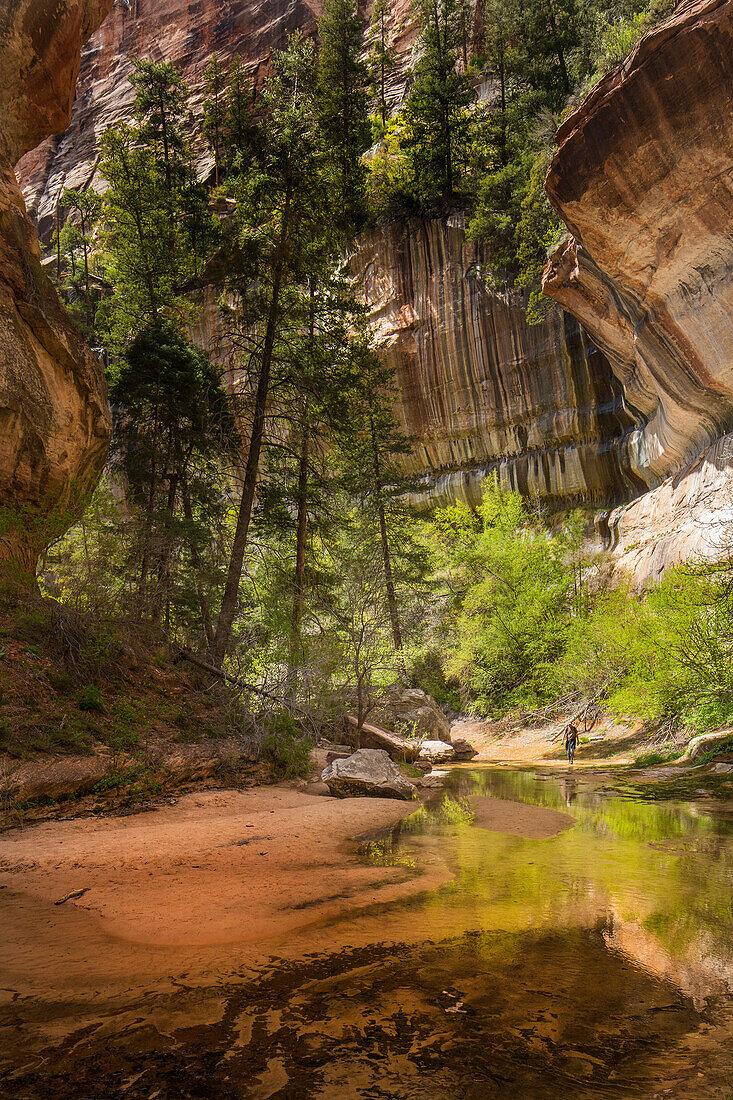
[(531, 932)]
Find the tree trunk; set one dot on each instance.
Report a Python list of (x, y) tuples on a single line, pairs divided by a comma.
[(200, 593), (302, 530), (394, 616), (239, 545)]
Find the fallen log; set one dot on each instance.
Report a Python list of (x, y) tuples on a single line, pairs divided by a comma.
[(703, 743), (399, 748)]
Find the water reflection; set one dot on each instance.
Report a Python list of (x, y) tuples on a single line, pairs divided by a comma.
[(657, 876), (593, 963)]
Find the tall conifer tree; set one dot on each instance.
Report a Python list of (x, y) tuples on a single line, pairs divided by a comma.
[(343, 104), (437, 121)]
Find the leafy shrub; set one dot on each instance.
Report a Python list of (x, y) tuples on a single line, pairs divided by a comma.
[(428, 674), (285, 746), (668, 653), (648, 759), (715, 751), (136, 780), (32, 626), (91, 699), (513, 594)]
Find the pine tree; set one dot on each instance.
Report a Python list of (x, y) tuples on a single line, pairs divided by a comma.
[(160, 97), (215, 109), (373, 449), (436, 113), (284, 203), (343, 101), (174, 422), (240, 133), (381, 59), (157, 228), (86, 205)]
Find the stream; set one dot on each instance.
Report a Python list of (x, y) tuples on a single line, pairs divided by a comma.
[(595, 962)]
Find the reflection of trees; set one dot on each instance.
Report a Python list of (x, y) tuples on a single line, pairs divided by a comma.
[(660, 867)]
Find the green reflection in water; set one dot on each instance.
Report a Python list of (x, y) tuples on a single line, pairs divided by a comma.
[(657, 877)]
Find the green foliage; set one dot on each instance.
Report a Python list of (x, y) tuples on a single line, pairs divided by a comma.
[(385, 853), (723, 747), (61, 681), (215, 110), (91, 699), (136, 780), (157, 227), (342, 105), (648, 759), (437, 124), (662, 655), (285, 746), (381, 59), (174, 427), (511, 604), (426, 672)]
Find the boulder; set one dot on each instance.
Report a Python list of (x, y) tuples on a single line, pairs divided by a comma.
[(331, 756), (463, 750), (373, 737), (437, 752), (703, 743), (403, 706), (369, 773)]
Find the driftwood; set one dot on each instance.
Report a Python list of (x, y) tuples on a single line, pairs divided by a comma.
[(372, 737), (72, 894)]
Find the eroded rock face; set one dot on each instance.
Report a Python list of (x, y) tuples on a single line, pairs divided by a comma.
[(187, 34), (412, 709), (643, 178), (689, 517), (481, 390), (54, 417)]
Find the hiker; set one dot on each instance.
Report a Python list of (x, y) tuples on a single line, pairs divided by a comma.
[(570, 740)]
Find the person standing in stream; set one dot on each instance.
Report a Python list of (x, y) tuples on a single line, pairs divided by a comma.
[(570, 740)]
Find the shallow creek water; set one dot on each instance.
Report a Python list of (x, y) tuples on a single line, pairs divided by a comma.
[(597, 962)]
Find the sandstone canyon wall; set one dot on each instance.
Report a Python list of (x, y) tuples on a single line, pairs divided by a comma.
[(54, 417), (481, 390), (643, 178), (186, 32)]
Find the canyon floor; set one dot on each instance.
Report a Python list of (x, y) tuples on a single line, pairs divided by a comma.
[(279, 942)]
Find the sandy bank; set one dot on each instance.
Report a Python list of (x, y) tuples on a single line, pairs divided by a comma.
[(216, 867), (608, 744)]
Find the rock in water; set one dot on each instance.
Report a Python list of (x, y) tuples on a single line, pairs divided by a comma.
[(437, 752), (463, 750), (367, 773)]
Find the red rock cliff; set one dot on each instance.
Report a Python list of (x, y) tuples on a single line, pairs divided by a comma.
[(54, 417), (481, 390), (186, 32), (643, 177)]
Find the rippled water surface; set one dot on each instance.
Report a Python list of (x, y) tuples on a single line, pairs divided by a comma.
[(594, 962)]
